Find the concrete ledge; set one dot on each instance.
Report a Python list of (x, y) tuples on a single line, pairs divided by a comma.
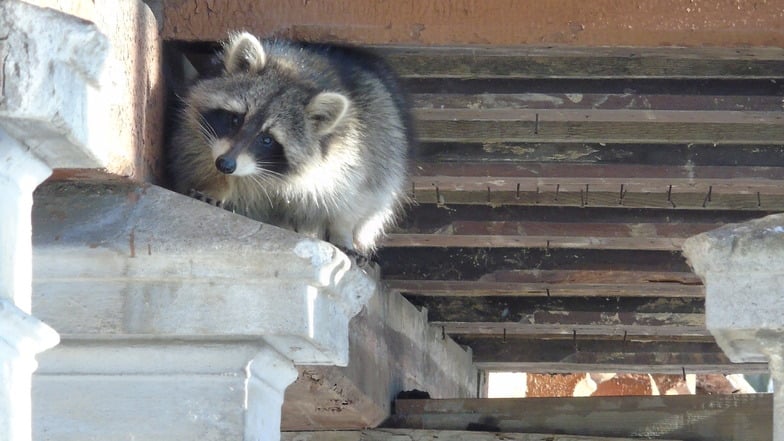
[(742, 266), (84, 95), (743, 269), (178, 320), (124, 261), (51, 62)]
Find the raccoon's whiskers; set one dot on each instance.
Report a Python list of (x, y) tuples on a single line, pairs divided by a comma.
[(206, 129), (260, 186)]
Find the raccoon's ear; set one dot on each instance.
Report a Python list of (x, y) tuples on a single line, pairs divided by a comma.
[(326, 111), (244, 53)]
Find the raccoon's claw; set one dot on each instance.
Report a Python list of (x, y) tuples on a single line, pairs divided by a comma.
[(205, 198)]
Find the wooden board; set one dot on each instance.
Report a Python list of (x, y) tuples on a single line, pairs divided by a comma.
[(599, 185), (693, 418), (433, 435), (638, 236), (575, 316), (603, 63), (695, 154), (464, 264), (669, 286), (430, 218), (630, 103), (583, 354), (550, 129)]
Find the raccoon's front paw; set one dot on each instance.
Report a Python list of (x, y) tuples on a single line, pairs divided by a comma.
[(360, 259), (205, 198)]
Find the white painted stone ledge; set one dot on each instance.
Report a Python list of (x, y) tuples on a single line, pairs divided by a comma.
[(51, 64), (22, 337), (179, 320), (141, 262), (742, 267)]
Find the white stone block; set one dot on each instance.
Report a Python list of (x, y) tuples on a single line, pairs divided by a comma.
[(742, 267), (21, 338), (50, 65), (144, 262), (20, 173), (160, 390), (158, 295)]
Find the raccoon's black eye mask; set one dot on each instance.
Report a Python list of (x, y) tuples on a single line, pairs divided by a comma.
[(270, 153), (223, 123)]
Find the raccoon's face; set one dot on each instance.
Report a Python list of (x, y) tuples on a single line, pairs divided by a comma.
[(257, 119)]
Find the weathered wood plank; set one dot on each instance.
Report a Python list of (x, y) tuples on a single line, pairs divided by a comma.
[(633, 364), (671, 288), (464, 264), (648, 86), (603, 185), (494, 62), (529, 241), (638, 236), (597, 101), (593, 355), (564, 313), (619, 116), (550, 129), (603, 153), (693, 418), (469, 176), (453, 328), (574, 196), (560, 283), (433, 435), (431, 218)]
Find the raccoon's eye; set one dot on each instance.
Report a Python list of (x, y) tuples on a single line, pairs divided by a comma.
[(266, 140), (222, 123), (266, 145)]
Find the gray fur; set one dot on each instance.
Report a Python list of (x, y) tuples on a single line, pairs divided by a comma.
[(342, 125)]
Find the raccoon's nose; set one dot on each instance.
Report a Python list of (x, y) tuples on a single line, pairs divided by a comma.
[(226, 165)]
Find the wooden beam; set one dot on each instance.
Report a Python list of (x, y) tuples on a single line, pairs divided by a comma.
[(576, 196), (603, 63), (536, 241), (633, 330), (602, 153), (669, 287), (694, 418), (433, 435), (590, 85), (560, 283), (639, 236), (469, 176), (565, 313), (430, 218), (551, 129), (628, 102), (466, 264), (599, 185), (601, 355), (644, 116)]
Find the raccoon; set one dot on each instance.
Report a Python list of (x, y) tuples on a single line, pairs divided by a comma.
[(309, 137)]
